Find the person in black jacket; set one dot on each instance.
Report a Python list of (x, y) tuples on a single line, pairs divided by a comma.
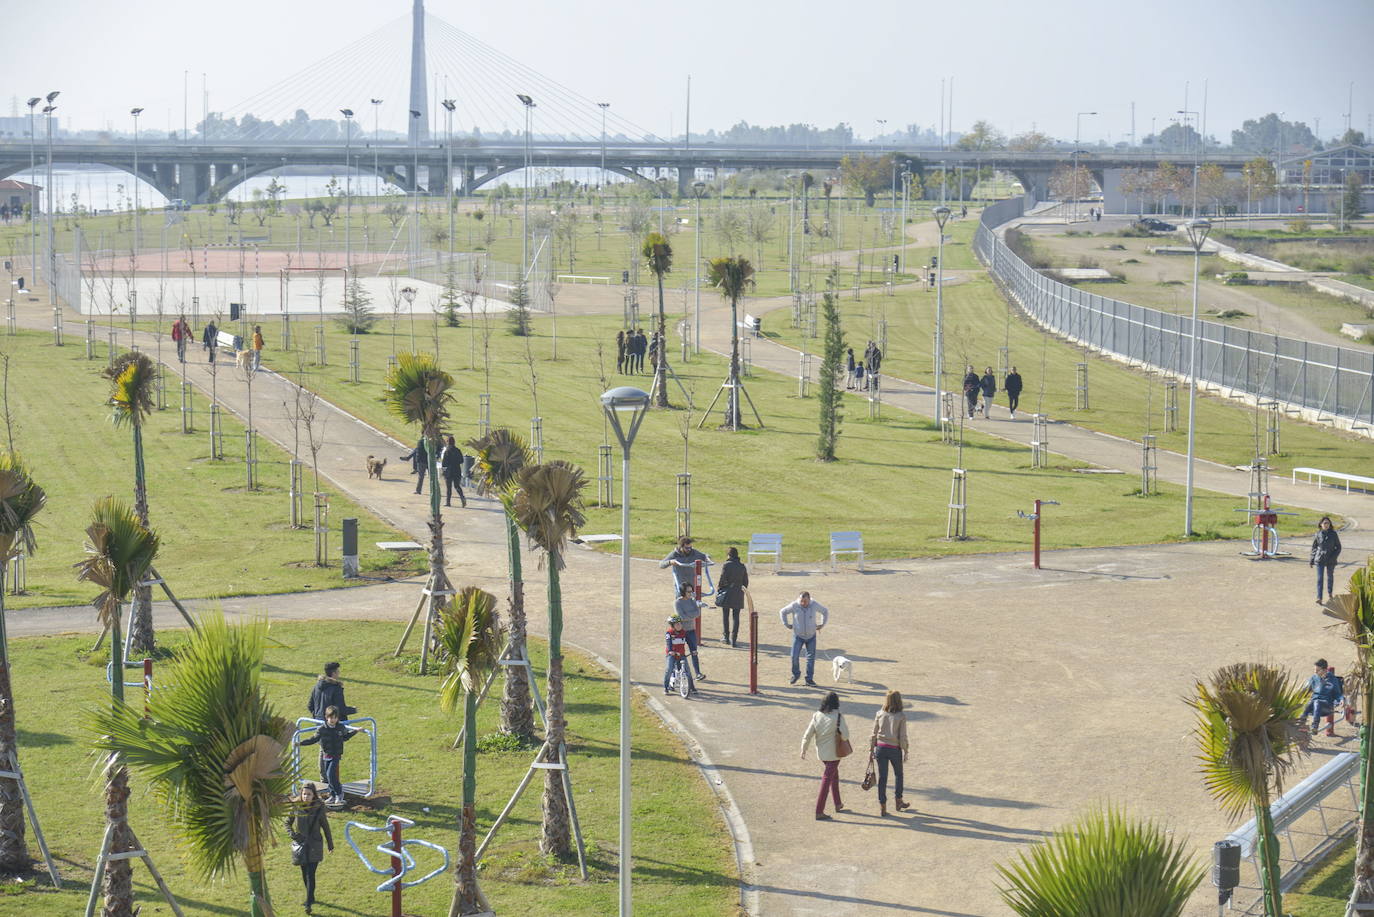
[(1326, 549), (972, 386), (451, 461), (1012, 386), (419, 463), (331, 738), (734, 578), (209, 339), (329, 692), (989, 386), (308, 828)]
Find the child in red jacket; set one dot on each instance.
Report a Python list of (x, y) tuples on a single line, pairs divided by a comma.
[(677, 648)]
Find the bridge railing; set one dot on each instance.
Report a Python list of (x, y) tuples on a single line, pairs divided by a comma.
[(1322, 382)]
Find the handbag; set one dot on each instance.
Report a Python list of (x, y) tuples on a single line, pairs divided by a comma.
[(870, 778), (842, 747), (722, 594), (298, 853)]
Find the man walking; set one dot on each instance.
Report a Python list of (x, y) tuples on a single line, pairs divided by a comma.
[(1012, 386), (801, 618), (972, 385), (210, 339), (258, 344), (181, 333), (419, 463), (989, 386)]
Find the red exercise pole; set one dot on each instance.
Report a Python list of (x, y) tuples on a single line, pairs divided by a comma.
[(396, 868), (753, 651), (1037, 534)]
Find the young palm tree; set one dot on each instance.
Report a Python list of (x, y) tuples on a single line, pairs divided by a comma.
[(20, 500), (1103, 863), (470, 636), (1247, 731), (499, 457), (807, 180), (119, 550), (213, 749), (732, 276), (1355, 609), (659, 255), (133, 380), (548, 506), (418, 392)]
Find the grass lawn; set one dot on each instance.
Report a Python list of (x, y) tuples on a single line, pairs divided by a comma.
[(1122, 402), (218, 538), (684, 860), (1326, 889), (892, 480)]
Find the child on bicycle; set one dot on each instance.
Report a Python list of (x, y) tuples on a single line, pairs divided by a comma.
[(677, 649)]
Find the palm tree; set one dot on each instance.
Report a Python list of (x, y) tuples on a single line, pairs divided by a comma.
[(807, 180), (732, 276), (20, 500), (133, 378), (119, 550), (470, 637), (659, 255), (1247, 732), (418, 393), (213, 749), (1103, 863), (499, 457), (1355, 609), (548, 506)]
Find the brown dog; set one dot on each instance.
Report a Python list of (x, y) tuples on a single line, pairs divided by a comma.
[(374, 467)]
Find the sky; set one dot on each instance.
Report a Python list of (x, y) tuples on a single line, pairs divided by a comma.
[(1016, 64)]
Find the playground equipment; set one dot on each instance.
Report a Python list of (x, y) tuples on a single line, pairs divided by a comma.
[(1264, 536), (402, 862), (307, 724), (1034, 516)]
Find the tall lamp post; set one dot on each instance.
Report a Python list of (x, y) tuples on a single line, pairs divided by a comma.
[(603, 106), (941, 218), (138, 228), (906, 197), (1077, 132), (415, 195), (698, 187), (348, 190), (625, 408), (1197, 234), (1197, 151), (376, 141), (33, 198), (525, 212), (52, 255), (449, 106)]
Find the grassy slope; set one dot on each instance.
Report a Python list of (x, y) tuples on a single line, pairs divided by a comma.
[(684, 862), (217, 538)]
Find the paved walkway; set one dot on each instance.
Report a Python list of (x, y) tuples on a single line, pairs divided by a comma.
[(1100, 645)]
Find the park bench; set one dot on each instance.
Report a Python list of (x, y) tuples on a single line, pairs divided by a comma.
[(232, 342), (1321, 475), (579, 278), (766, 545), (753, 325), (847, 543)]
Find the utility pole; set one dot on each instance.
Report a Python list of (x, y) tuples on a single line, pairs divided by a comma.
[(525, 213), (348, 191), (603, 106), (52, 255), (138, 229), (449, 106), (376, 141)]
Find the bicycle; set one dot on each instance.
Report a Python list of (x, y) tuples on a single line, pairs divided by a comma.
[(680, 678)]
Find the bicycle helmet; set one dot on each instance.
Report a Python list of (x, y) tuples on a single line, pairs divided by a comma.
[(675, 619)]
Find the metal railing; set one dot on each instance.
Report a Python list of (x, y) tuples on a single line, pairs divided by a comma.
[(1326, 383)]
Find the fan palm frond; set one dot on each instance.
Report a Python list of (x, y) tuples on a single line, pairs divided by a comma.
[(133, 378), (658, 253), (1247, 732), (499, 457), (1103, 863), (418, 392), (212, 748), (548, 505), (119, 552), (470, 635), (20, 501), (732, 276), (1354, 610)]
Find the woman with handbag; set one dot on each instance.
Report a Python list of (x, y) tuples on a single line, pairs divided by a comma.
[(889, 748), (734, 579), (308, 827), (831, 735)]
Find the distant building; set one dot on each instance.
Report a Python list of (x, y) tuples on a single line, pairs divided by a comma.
[(1328, 168), (16, 194), (16, 127)]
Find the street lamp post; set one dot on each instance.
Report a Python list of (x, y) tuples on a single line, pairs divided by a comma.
[(138, 229), (376, 140), (415, 195), (348, 190), (1197, 150), (603, 106), (525, 211), (1197, 235), (698, 187), (941, 218), (1077, 132), (906, 196), (449, 106), (408, 294), (52, 255), (632, 404)]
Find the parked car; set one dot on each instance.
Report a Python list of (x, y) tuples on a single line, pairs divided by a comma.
[(1154, 225), (177, 203)]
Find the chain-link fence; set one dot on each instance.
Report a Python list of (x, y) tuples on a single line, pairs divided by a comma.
[(1328, 383)]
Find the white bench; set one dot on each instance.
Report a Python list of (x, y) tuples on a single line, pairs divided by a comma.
[(1321, 475), (847, 543), (753, 325), (765, 545), (577, 278), (231, 341)]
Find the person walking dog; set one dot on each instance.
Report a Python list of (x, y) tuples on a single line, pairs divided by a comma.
[(804, 618), (828, 731)]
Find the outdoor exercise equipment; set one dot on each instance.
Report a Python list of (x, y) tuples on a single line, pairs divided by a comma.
[(308, 724), (1034, 516), (402, 862), (1264, 536)]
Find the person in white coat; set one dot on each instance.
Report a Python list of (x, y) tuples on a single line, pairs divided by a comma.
[(825, 727)]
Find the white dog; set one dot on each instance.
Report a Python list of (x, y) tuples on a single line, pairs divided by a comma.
[(842, 669)]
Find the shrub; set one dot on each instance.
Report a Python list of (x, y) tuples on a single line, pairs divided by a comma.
[(1299, 225)]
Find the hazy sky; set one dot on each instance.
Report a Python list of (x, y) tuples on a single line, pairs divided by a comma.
[(769, 62)]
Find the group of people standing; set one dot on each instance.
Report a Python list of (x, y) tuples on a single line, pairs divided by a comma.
[(209, 341), (631, 347), (980, 390), (862, 375)]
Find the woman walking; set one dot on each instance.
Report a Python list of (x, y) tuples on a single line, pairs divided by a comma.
[(889, 748), (734, 579), (826, 729), (1326, 549), (620, 352), (308, 827)]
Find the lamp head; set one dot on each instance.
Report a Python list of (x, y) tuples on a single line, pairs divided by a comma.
[(376, 101), (525, 100), (603, 104), (450, 104), (699, 186), (52, 96), (408, 293), (346, 112), (941, 215), (49, 109), (34, 101), (135, 112), (625, 407), (414, 113), (1198, 231)]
